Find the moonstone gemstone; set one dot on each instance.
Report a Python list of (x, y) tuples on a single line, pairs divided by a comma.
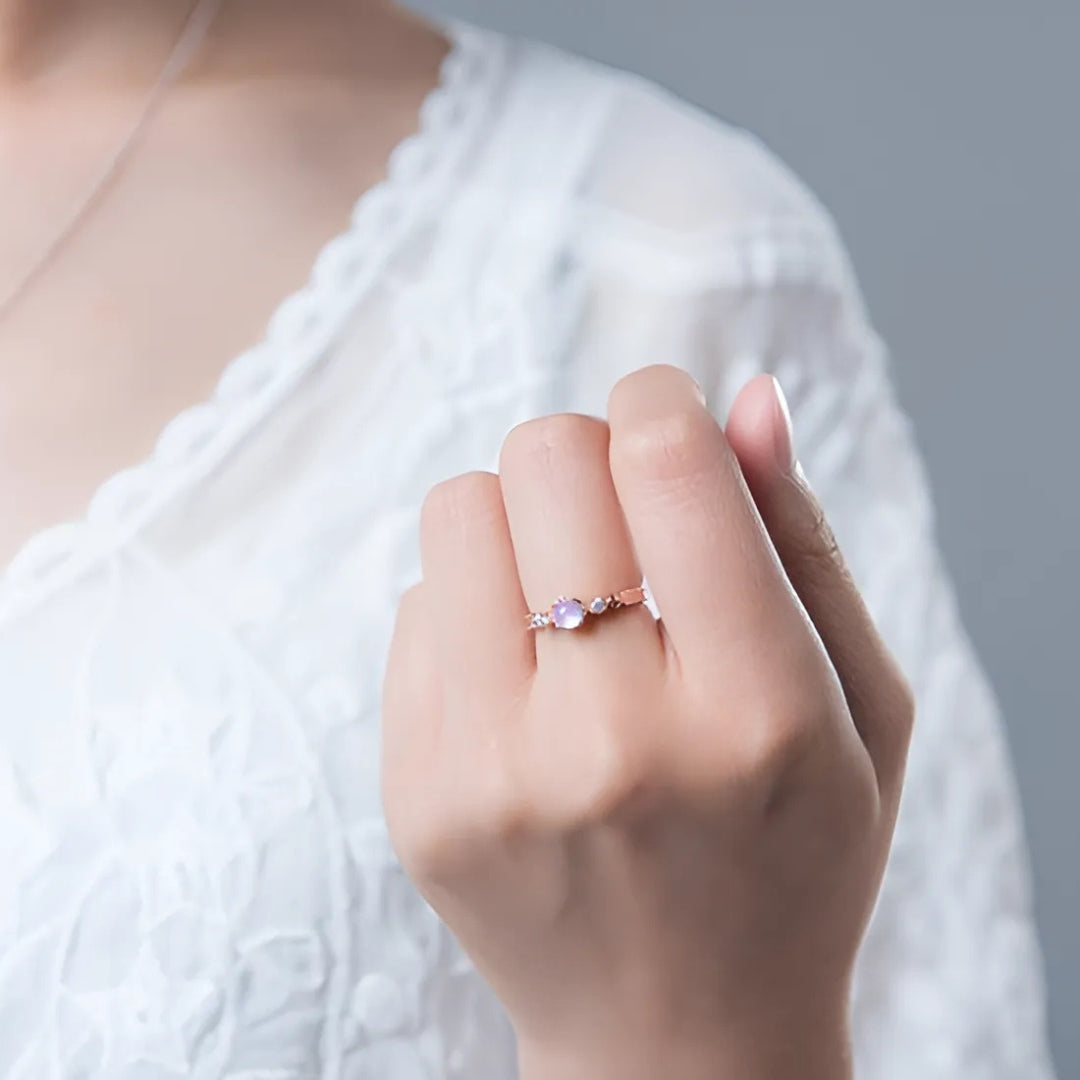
[(567, 614), (598, 606)]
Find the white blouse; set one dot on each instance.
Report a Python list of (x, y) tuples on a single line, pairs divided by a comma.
[(195, 878)]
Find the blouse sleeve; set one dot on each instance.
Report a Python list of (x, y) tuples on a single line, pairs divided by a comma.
[(705, 250), (949, 983)]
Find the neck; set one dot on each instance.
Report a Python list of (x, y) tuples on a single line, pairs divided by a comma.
[(81, 43)]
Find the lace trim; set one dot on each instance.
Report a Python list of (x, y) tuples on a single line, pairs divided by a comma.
[(304, 325)]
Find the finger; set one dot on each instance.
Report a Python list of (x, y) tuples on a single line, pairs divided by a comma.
[(759, 431), (720, 589), (569, 535), (411, 713), (473, 587)]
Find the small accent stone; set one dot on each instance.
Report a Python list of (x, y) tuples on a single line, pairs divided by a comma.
[(598, 606), (567, 614)]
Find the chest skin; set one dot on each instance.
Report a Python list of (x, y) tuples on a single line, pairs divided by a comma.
[(216, 217)]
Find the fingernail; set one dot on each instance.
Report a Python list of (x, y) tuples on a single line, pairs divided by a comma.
[(785, 442), (699, 392)]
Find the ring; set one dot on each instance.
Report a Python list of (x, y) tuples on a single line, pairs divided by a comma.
[(568, 613)]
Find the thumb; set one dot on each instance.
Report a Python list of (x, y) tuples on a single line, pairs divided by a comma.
[(759, 431)]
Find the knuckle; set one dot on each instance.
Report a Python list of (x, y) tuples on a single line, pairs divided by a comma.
[(859, 806), (496, 811), (906, 704), (902, 707), (677, 445), (618, 783), (458, 503), (607, 762), (546, 442), (415, 831), (445, 841), (777, 742), (429, 855)]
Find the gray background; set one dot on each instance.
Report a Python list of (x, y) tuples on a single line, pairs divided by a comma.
[(947, 146)]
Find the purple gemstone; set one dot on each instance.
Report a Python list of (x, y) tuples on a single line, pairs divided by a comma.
[(567, 614)]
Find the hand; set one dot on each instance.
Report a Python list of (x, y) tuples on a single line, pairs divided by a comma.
[(659, 841)]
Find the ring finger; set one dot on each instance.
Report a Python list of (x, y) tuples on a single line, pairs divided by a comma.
[(571, 540)]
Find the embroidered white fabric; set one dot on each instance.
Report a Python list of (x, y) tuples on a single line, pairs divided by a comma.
[(195, 880)]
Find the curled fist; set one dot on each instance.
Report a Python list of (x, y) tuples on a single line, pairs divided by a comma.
[(659, 841)]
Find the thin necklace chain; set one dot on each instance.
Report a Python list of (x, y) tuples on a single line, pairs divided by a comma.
[(187, 44)]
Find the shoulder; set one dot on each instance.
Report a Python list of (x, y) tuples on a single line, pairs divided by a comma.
[(665, 176)]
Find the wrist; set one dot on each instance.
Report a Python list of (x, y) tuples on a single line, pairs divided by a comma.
[(680, 1063), (779, 1054)]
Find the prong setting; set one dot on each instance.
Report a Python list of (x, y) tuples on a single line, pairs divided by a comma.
[(567, 613)]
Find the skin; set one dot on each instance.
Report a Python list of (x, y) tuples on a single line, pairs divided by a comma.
[(660, 842), (254, 162)]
